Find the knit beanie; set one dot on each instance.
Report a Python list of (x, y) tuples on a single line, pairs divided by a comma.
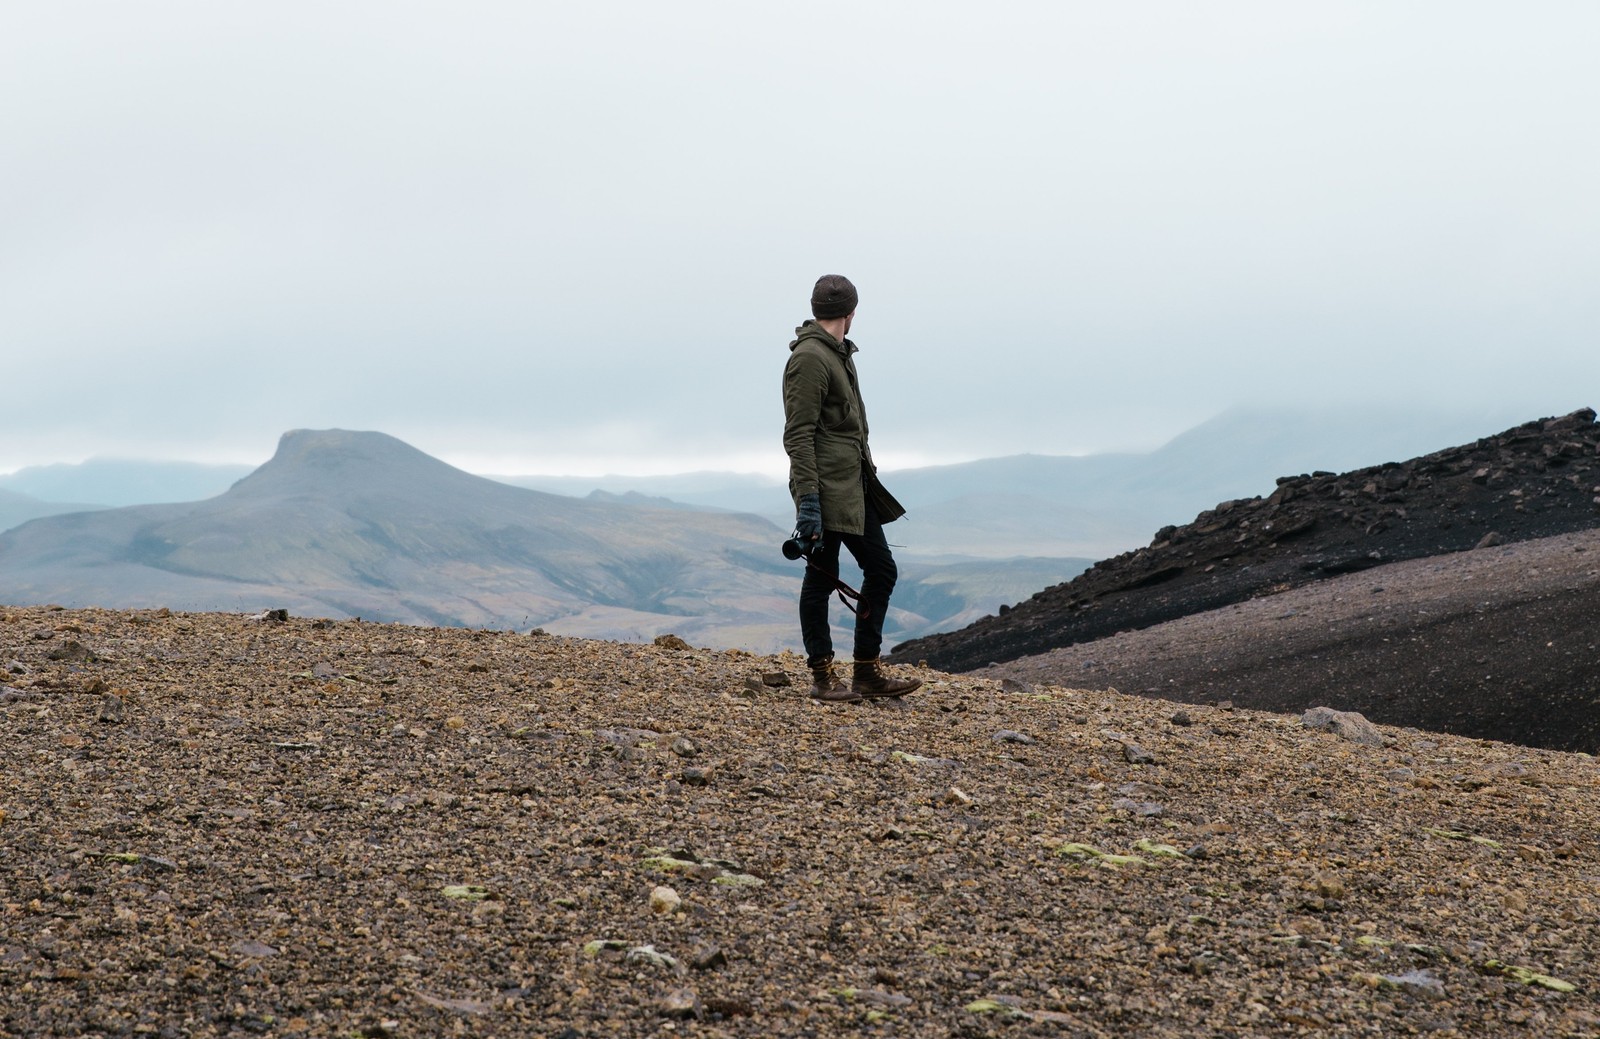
[(833, 297)]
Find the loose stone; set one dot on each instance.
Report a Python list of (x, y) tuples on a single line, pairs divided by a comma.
[(664, 900)]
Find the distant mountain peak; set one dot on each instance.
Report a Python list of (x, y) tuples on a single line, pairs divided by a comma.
[(345, 460), (352, 443)]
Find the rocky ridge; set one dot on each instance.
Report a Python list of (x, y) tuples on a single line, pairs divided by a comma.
[(216, 825), (1536, 480)]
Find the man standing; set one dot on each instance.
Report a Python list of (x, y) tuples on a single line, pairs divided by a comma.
[(838, 499)]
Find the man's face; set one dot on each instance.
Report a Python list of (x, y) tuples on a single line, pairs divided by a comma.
[(847, 319)]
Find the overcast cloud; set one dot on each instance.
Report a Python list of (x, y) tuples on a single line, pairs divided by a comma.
[(574, 238)]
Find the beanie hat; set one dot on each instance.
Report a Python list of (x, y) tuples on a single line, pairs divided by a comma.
[(833, 297)]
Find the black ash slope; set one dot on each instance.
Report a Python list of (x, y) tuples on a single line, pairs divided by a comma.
[(1536, 480)]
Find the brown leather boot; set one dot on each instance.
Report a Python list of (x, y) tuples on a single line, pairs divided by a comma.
[(871, 683), (825, 684)]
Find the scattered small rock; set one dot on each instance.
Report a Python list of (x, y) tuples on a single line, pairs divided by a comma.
[(708, 957), (71, 651), (112, 711), (1349, 725), (1417, 982), (626, 738), (1014, 685), (695, 777), (269, 617), (1182, 718), (649, 955), (880, 998), (1134, 754), (680, 1004), (664, 900), (776, 679), (1013, 736), (684, 747), (725, 1007), (671, 642)]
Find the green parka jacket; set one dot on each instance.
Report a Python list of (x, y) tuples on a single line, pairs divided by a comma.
[(825, 433)]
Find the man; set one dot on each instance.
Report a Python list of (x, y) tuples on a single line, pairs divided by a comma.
[(838, 499)]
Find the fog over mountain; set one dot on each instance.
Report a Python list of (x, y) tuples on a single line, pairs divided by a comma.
[(1094, 505), (19, 508), (124, 481)]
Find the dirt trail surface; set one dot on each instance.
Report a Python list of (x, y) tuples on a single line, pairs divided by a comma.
[(1537, 480), (217, 827), (1500, 643)]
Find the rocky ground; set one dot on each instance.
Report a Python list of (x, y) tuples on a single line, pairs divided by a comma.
[(1537, 480), (215, 826), (1500, 643)]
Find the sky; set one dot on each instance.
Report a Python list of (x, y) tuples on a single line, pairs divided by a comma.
[(538, 238)]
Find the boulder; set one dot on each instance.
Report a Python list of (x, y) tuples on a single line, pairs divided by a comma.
[(1349, 725)]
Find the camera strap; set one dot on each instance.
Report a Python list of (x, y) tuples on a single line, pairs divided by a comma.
[(845, 592)]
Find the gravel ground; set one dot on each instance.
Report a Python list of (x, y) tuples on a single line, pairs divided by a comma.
[(213, 826)]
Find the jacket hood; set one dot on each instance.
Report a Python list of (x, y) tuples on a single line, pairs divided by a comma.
[(811, 330)]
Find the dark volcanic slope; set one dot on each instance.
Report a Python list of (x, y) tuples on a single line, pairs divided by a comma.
[(1533, 481), (1500, 643)]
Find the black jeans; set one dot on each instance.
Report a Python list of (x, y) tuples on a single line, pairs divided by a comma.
[(878, 575)]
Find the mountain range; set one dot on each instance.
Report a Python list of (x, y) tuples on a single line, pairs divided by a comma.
[(1090, 506), (17, 508), (111, 482), (362, 525), (346, 523), (1085, 507)]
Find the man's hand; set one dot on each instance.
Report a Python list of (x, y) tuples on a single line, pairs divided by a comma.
[(808, 517)]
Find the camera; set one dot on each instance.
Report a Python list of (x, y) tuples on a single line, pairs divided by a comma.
[(796, 547)]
